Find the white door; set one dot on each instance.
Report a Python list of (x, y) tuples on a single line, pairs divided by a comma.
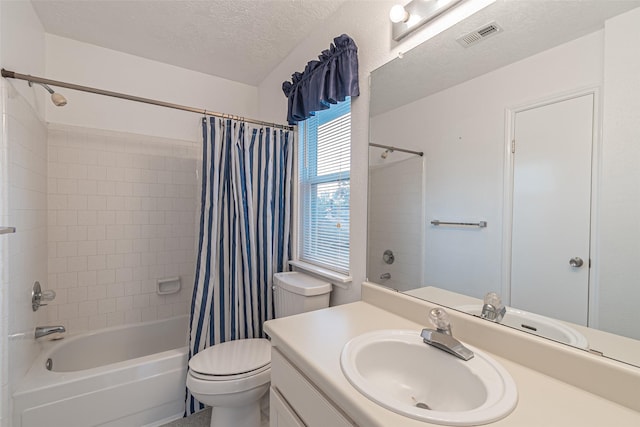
[(552, 209)]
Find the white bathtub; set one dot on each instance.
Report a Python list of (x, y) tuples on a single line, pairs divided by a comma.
[(131, 375)]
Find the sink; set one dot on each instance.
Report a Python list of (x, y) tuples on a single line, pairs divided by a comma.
[(536, 324), (397, 370)]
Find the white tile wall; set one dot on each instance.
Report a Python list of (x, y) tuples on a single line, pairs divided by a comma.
[(396, 221), (4, 277), (23, 254), (121, 215)]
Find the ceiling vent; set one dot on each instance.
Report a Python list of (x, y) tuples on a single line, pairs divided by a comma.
[(475, 37)]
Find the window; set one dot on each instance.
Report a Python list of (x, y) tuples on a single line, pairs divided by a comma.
[(323, 176)]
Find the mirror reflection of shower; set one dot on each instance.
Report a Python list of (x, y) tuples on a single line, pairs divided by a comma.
[(395, 219)]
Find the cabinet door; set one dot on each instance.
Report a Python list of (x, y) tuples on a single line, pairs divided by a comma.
[(280, 414), (312, 406)]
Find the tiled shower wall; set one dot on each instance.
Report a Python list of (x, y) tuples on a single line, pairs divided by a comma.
[(121, 215), (396, 221), (23, 254)]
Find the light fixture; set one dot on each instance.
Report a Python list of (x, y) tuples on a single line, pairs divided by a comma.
[(415, 14), (398, 14)]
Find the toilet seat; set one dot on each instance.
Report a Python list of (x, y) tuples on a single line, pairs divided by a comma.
[(208, 377), (232, 360)]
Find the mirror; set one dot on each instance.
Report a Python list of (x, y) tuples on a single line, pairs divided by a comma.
[(457, 223)]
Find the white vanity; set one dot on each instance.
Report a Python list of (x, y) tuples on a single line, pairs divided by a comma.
[(557, 385)]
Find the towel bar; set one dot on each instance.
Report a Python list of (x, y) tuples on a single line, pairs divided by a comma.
[(481, 224)]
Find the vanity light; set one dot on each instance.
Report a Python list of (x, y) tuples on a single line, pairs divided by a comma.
[(415, 14), (398, 14)]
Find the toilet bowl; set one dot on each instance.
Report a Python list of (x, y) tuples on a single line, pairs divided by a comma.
[(233, 376)]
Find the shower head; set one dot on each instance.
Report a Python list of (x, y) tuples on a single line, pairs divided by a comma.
[(56, 98), (386, 153)]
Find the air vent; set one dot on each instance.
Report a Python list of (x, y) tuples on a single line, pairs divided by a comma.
[(480, 34)]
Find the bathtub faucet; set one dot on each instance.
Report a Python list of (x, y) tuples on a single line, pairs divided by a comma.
[(43, 331)]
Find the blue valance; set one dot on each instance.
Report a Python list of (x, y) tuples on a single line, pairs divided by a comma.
[(329, 80)]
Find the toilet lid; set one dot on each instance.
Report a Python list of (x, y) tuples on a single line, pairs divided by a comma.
[(232, 357)]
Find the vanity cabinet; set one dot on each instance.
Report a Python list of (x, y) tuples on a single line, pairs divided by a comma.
[(296, 402), (280, 413)]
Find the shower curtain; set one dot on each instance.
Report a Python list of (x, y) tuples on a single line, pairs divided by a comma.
[(244, 232)]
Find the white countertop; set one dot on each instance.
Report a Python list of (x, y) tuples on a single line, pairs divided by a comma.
[(313, 342)]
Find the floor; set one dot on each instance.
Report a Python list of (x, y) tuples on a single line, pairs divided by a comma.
[(203, 418)]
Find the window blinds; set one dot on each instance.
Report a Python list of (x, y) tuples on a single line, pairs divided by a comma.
[(325, 154)]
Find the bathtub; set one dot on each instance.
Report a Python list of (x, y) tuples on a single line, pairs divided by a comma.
[(131, 375)]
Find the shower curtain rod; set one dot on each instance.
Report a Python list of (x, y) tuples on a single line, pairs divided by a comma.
[(391, 148), (34, 79)]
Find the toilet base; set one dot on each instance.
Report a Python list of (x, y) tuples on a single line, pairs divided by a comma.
[(248, 415)]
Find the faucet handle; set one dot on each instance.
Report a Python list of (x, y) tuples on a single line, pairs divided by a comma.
[(48, 295), (493, 299), (440, 319), (38, 295), (493, 309)]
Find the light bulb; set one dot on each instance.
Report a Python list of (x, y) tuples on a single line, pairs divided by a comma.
[(398, 14)]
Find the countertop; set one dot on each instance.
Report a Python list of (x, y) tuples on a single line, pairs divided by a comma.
[(313, 342)]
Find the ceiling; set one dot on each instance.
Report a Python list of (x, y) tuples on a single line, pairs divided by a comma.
[(530, 27), (240, 40), (244, 40)]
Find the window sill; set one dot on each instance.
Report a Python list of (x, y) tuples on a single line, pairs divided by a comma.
[(339, 280)]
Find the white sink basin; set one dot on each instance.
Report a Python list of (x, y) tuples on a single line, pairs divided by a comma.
[(397, 370), (535, 324)]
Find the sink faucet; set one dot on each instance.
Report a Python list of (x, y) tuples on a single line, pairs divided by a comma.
[(493, 309), (43, 331), (442, 338)]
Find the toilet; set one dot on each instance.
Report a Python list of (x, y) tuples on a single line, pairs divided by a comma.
[(233, 376)]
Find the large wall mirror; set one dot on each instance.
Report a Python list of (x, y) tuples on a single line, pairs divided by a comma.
[(511, 164)]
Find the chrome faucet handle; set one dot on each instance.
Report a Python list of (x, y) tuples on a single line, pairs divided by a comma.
[(38, 296), (493, 309), (440, 320), (441, 337)]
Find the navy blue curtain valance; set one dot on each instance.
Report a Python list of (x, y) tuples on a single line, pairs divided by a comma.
[(328, 80)]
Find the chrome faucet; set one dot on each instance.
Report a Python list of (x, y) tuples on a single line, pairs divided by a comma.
[(493, 309), (442, 338), (43, 331)]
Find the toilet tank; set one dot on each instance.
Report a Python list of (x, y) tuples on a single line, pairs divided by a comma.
[(295, 292)]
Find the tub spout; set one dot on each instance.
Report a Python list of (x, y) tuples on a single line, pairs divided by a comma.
[(43, 331)]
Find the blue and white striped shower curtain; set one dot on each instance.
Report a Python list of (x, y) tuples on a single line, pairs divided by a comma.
[(244, 232)]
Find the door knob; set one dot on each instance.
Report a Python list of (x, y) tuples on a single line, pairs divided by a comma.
[(576, 262)]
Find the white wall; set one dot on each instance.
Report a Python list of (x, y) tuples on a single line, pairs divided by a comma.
[(27, 254), (121, 215), (367, 22), (619, 229), (88, 65), (23, 48), (464, 154), (395, 220), (23, 195)]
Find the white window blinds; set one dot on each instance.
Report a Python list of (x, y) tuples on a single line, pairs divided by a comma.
[(325, 153)]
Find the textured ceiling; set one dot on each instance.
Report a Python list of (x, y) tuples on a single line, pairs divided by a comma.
[(241, 40), (530, 27)]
